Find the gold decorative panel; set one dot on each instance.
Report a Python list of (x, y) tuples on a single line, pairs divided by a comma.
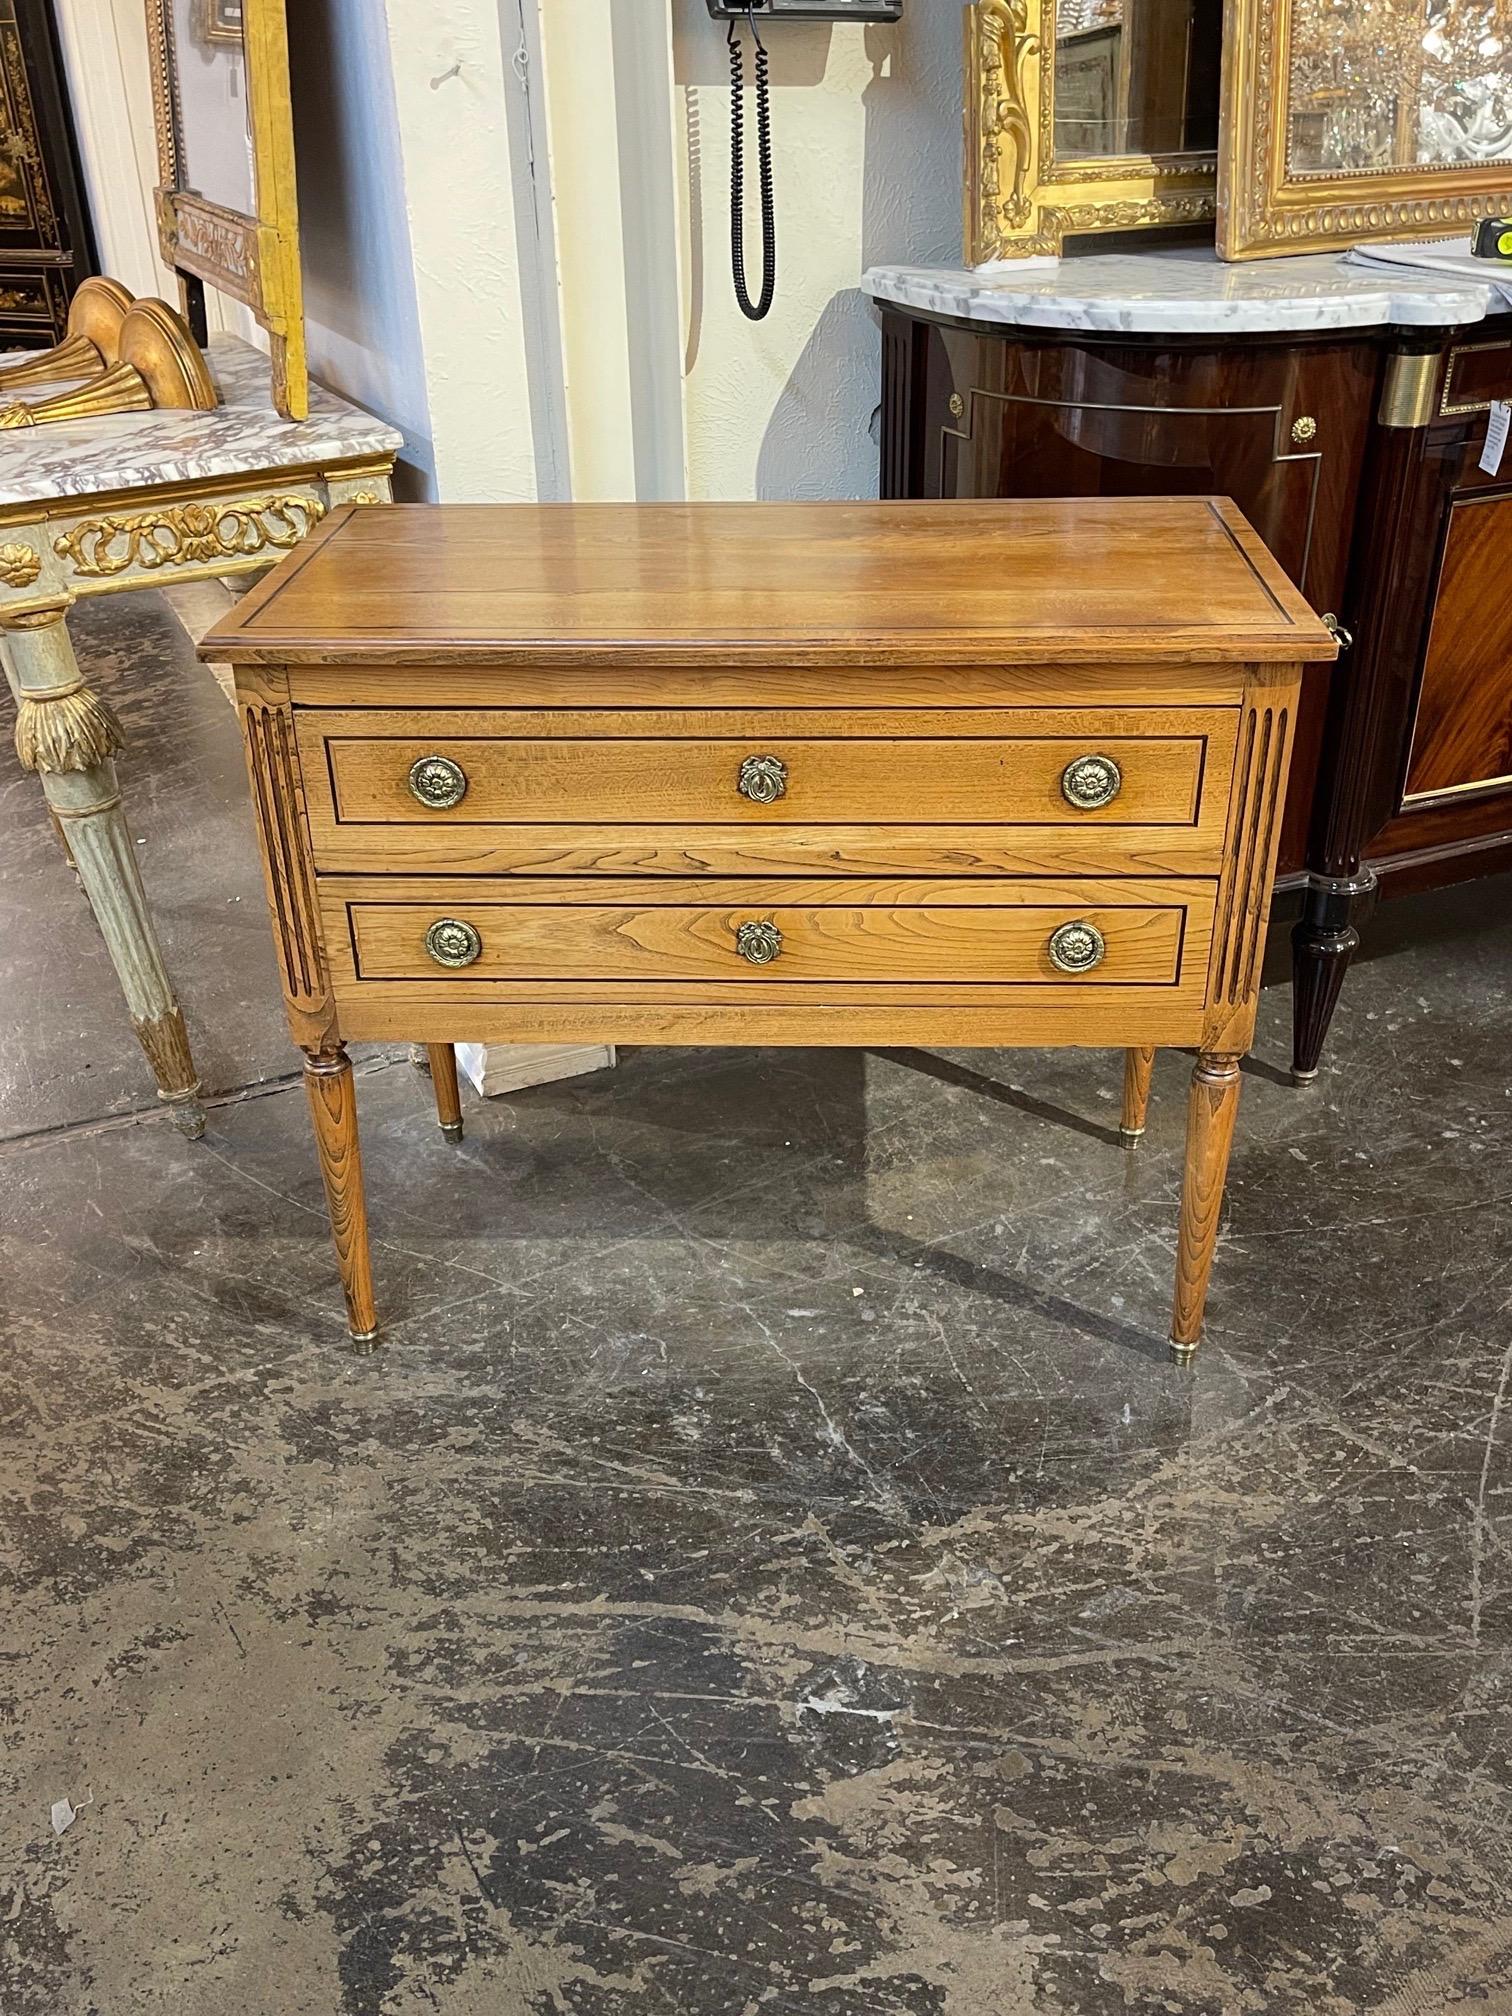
[(1086, 116)]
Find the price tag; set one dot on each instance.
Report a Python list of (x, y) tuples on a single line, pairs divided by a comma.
[(1496, 436)]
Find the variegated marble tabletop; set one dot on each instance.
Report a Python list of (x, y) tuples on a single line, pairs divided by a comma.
[(1185, 290), (243, 436)]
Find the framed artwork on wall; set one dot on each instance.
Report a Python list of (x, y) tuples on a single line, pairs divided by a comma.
[(1366, 119)]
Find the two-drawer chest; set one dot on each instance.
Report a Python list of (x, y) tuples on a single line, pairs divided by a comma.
[(853, 774)]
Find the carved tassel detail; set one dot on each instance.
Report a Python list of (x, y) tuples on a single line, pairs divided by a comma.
[(71, 730)]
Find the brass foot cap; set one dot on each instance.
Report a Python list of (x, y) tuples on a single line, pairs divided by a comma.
[(1304, 1077), (1182, 1354), (452, 1129), (364, 1342), (1130, 1135)]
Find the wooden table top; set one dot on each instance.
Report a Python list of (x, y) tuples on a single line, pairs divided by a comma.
[(1131, 580)]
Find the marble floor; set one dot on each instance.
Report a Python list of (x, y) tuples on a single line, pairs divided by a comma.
[(772, 1566)]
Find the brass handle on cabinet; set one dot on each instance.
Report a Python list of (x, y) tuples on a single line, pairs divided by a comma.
[(763, 779), (1091, 781), (437, 782), (759, 943), (450, 942), (1078, 947)]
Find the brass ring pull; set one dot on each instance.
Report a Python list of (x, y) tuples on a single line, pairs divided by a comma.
[(1091, 781), (1078, 947), (763, 779), (437, 782), (450, 942), (758, 943), (1342, 637)]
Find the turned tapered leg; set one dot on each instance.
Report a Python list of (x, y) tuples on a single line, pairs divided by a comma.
[(333, 1106), (1211, 1109), (1138, 1064), (67, 736), (443, 1066)]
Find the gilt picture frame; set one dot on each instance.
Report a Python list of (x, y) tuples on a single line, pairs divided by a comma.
[(1024, 197), (253, 256), (221, 20), (1270, 204)]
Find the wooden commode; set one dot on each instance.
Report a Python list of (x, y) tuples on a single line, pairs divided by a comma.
[(938, 774)]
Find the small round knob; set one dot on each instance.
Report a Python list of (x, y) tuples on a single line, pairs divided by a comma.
[(1304, 429), (1091, 781), (438, 782), (1078, 947), (763, 779), (450, 942), (759, 943)]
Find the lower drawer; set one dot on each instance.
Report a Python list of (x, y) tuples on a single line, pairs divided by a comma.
[(713, 939)]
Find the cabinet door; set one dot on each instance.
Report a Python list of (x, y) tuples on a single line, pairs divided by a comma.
[(1462, 737)]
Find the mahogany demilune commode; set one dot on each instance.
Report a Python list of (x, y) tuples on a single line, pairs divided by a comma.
[(852, 774)]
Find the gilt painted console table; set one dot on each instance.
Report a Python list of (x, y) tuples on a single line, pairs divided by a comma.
[(147, 500), (794, 774)]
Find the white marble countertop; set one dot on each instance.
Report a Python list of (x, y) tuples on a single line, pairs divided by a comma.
[(243, 436), (1183, 291)]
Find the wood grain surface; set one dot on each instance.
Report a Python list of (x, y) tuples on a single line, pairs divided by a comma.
[(1463, 732), (1139, 1065), (673, 942), (333, 1109), (1163, 579), (1010, 773), (1211, 1111), (442, 1058)]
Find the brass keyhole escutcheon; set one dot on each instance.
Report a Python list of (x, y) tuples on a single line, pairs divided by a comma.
[(1090, 782), (763, 779), (758, 943), (451, 942), (1304, 429), (437, 782), (1078, 947), (957, 405)]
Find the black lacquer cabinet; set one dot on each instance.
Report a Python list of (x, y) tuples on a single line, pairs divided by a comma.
[(46, 243)]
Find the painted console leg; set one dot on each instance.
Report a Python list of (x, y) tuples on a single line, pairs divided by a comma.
[(443, 1066), (333, 1108), (67, 736), (1211, 1109), (1138, 1065)]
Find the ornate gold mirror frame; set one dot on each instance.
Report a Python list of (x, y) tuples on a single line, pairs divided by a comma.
[(1371, 93), (255, 259), (1023, 198)]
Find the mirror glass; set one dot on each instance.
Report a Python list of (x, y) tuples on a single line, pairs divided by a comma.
[(1377, 85), (215, 139), (1136, 77)]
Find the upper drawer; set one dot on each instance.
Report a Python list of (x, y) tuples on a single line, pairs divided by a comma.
[(1147, 767)]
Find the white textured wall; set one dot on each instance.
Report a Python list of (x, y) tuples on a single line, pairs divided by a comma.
[(867, 146), (362, 320)]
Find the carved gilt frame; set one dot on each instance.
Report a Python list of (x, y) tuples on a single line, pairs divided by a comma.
[(1264, 209), (253, 259), (1021, 200)]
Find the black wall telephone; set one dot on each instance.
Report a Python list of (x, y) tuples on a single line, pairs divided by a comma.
[(758, 12)]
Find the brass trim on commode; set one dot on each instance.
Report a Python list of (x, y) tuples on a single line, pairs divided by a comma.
[(1408, 389)]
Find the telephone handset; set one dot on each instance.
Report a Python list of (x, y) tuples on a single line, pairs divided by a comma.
[(755, 12)]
